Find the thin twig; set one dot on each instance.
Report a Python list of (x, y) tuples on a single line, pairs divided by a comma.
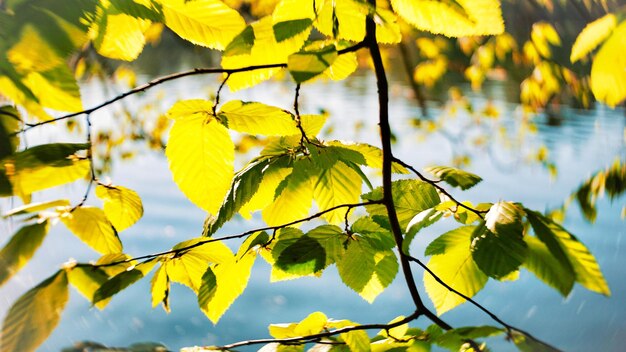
[(217, 94), (508, 327), (92, 171), (434, 183), (296, 109)]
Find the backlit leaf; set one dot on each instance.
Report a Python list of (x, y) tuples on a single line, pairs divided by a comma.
[(87, 280), (122, 206), (454, 339), (337, 185), (455, 267), (311, 62), (566, 248), (20, 248), (264, 196), (258, 118), (455, 177), (592, 35), (208, 23), (36, 207), (91, 226), (547, 268), (117, 35), (470, 17), (608, 72), (35, 314), (419, 221), (291, 28), (9, 123), (231, 280), (160, 288), (294, 196), (201, 154), (409, 196), (341, 19)]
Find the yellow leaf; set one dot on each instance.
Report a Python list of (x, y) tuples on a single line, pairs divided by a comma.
[(348, 13), (264, 51), (119, 36), (591, 36), (20, 97), (335, 186), (160, 288), (258, 118), (231, 280), (267, 189), (32, 52), (388, 29), (122, 206), (37, 207), (343, 66), (87, 280), (608, 72), (295, 198), (201, 155), (314, 323), (92, 227), (56, 89), (29, 181), (20, 248), (208, 23), (472, 17)]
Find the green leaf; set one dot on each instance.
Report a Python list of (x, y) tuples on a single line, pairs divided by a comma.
[(148, 10), (21, 248), (467, 18), (209, 23), (410, 197), (608, 73), (309, 63), (497, 244), (122, 206), (257, 118), (54, 155), (570, 252), (122, 280), (91, 226), (245, 185), (36, 207), (332, 239), (87, 280), (547, 268), (527, 344), (455, 266), (289, 29), (423, 219), (220, 289), (35, 314), (301, 257), (454, 339), (242, 43), (592, 35), (455, 177), (200, 154)]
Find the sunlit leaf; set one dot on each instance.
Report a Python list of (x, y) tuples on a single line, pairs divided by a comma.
[(242, 44), (91, 226), (332, 239), (592, 35), (160, 288), (547, 268), (566, 248), (421, 220), (497, 244), (36, 207), (32, 52), (469, 17), (341, 19), (20, 248), (608, 72), (373, 155), (311, 62), (454, 339), (455, 177), (528, 344), (294, 196), (200, 154), (114, 263), (335, 186), (122, 280), (453, 264), (257, 118), (56, 89), (208, 23), (410, 198), (87, 280), (299, 256), (231, 279), (289, 29), (9, 123), (35, 314), (264, 196), (122, 206)]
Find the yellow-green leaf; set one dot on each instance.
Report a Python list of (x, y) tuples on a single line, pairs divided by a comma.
[(264, 196), (87, 280), (608, 72), (36, 207), (266, 50), (160, 288), (122, 280), (311, 62), (336, 185), (231, 279), (21, 248), (35, 314), (294, 196), (122, 206), (455, 267), (547, 268), (342, 19), (592, 35), (201, 155), (208, 23), (453, 19), (91, 226), (117, 35), (258, 118)]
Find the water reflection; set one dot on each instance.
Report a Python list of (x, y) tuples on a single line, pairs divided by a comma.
[(582, 143)]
